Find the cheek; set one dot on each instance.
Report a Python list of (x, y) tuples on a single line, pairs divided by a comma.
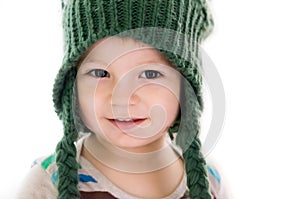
[(86, 101), (164, 98), (172, 108)]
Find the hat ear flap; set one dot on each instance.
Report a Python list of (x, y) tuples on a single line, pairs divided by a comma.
[(190, 112), (188, 139), (67, 176)]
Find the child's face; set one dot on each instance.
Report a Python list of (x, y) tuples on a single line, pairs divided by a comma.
[(128, 93)]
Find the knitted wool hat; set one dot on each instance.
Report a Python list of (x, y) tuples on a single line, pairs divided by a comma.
[(175, 28)]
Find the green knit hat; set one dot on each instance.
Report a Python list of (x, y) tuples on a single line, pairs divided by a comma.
[(175, 28)]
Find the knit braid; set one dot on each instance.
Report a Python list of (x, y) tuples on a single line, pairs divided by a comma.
[(196, 172), (188, 138), (65, 149)]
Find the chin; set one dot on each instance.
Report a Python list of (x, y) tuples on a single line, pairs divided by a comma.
[(129, 143)]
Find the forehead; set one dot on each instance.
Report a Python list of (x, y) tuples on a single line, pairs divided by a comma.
[(113, 48)]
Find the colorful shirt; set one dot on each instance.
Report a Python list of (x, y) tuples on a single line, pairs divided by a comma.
[(93, 184)]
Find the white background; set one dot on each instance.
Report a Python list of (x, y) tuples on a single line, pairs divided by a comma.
[(255, 47)]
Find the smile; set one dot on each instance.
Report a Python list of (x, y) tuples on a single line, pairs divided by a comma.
[(126, 123)]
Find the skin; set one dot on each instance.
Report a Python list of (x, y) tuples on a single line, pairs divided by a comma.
[(122, 78), (126, 92)]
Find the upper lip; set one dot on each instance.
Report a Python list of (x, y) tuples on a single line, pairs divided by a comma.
[(126, 119)]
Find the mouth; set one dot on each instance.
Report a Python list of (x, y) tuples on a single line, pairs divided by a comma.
[(126, 123)]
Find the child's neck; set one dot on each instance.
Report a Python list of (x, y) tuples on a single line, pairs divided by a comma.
[(144, 177), (129, 162)]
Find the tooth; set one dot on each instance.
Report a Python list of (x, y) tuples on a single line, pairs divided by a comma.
[(124, 120)]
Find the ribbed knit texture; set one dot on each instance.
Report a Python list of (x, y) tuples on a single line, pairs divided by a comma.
[(175, 28)]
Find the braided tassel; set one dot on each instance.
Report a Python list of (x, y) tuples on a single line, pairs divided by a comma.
[(66, 150), (196, 172)]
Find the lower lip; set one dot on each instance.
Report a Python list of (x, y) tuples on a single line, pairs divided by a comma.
[(127, 125)]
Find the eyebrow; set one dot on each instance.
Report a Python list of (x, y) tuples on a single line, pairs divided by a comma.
[(94, 62), (101, 62)]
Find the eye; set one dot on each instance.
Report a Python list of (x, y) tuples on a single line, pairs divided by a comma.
[(99, 73), (150, 74)]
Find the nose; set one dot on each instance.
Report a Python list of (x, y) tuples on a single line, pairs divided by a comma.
[(124, 93), (123, 98)]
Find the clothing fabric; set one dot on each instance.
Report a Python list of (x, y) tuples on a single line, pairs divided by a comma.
[(42, 180)]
